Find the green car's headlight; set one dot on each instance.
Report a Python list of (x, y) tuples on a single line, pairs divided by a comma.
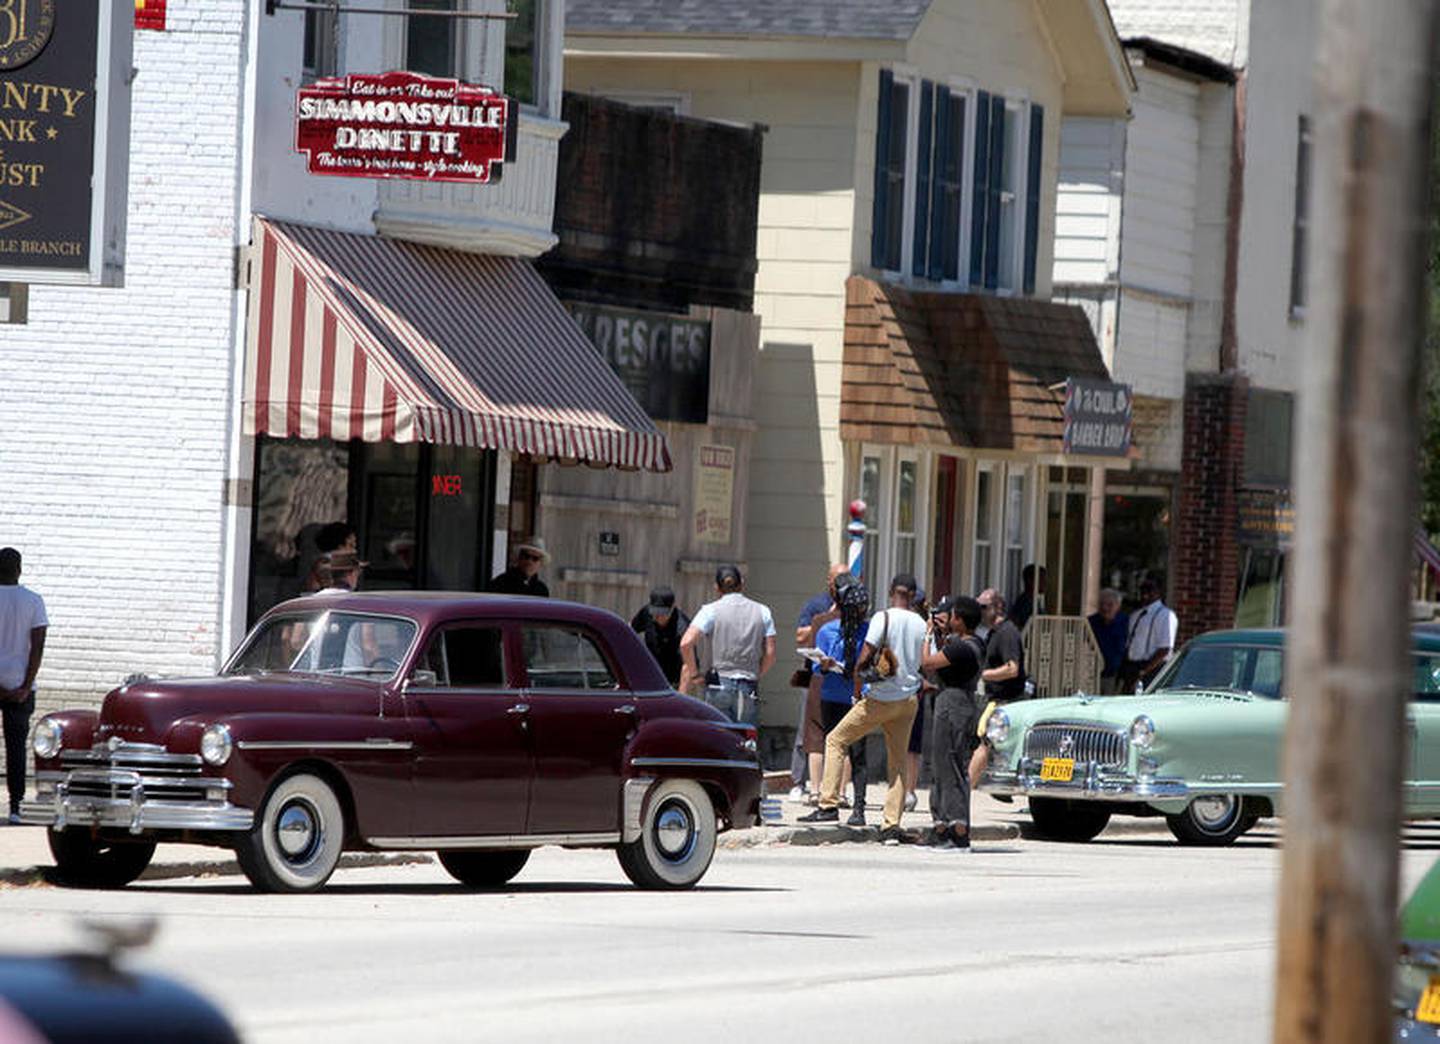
[(1142, 732), (47, 741), (997, 729)]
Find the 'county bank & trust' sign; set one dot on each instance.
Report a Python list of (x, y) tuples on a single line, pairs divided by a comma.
[(404, 125), (64, 139)]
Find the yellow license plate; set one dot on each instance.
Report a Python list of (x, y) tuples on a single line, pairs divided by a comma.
[(1428, 1010), (1057, 770)]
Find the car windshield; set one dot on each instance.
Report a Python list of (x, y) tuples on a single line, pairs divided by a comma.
[(326, 642), (1254, 669)]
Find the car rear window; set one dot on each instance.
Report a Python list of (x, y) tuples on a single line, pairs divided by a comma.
[(564, 658)]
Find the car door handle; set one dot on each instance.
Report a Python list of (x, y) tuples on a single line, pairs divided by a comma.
[(628, 708), (519, 708)]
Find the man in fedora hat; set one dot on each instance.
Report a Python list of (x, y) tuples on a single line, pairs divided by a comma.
[(523, 576)]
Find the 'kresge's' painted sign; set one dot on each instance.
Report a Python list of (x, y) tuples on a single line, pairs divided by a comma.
[(404, 125)]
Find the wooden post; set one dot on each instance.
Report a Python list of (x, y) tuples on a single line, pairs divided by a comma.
[(1348, 677), (1094, 541)]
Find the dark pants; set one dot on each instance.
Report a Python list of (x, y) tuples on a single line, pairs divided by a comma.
[(831, 715), (952, 742), (16, 720)]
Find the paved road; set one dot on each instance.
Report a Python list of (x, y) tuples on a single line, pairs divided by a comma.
[(1130, 938)]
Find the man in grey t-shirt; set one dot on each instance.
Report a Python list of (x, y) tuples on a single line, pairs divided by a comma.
[(23, 625), (742, 648), (888, 704)]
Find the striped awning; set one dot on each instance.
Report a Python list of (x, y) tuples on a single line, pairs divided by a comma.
[(363, 337)]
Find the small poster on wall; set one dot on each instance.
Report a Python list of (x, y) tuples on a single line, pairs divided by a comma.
[(714, 493)]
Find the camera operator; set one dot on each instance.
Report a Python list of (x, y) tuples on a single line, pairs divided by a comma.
[(956, 661)]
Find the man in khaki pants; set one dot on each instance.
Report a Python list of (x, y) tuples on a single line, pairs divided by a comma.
[(888, 704)]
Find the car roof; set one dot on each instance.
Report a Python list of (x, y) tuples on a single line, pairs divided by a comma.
[(1424, 636), (434, 606)]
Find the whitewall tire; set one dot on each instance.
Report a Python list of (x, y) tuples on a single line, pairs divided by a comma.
[(677, 837), (297, 838)]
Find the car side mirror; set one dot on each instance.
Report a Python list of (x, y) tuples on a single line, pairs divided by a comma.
[(422, 679)]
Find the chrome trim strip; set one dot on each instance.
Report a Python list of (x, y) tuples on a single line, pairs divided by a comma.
[(633, 806), (126, 778), (696, 763), (735, 725), (494, 841), (368, 744), (131, 753)]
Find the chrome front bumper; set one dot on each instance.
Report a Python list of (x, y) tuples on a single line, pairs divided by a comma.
[(1091, 782), (134, 801)]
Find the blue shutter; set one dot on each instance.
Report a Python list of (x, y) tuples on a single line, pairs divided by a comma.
[(882, 185), (1032, 194), (943, 146), (981, 189), (992, 204), (923, 175)]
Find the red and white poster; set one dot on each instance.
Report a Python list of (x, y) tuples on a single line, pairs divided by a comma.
[(404, 125)]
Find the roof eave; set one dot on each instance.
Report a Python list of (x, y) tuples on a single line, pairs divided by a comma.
[(582, 44)]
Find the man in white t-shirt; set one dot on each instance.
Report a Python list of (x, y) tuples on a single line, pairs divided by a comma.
[(1151, 638), (742, 648), (888, 704), (22, 644)]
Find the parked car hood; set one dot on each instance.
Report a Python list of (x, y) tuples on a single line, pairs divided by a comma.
[(144, 712), (1120, 711)]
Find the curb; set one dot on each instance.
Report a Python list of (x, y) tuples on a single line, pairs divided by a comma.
[(810, 836), (31, 876)]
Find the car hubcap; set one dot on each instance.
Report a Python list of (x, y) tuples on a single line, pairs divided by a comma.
[(1215, 814), (297, 831), (675, 830)]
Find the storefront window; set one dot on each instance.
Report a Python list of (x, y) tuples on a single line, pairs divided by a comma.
[(1136, 539), (984, 525), (390, 514), (301, 486), (430, 41), (870, 493), (522, 52), (1014, 530), (905, 518), (1065, 540), (943, 560), (1262, 588)]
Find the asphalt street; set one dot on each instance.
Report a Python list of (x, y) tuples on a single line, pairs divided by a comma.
[(1127, 938)]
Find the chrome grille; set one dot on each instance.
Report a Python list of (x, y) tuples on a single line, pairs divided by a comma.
[(149, 758), (1087, 743)]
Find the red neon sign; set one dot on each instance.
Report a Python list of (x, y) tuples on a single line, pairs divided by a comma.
[(444, 485), (404, 125)]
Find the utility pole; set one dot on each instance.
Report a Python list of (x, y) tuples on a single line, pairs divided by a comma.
[(1348, 674)]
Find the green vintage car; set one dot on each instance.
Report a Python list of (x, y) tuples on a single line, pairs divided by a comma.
[(1200, 747)]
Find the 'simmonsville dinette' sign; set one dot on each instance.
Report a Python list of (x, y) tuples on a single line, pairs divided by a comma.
[(64, 140), (404, 125)]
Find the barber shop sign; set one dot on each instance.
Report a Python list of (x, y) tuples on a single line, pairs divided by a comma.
[(404, 125)]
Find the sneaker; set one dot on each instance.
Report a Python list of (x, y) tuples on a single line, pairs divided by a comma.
[(911, 800), (812, 799), (892, 836), (857, 818), (15, 819), (950, 843), (821, 815), (797, 794)]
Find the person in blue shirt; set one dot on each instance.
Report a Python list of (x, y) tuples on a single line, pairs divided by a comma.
[(837, 693), (1111, 626), (805, 755)]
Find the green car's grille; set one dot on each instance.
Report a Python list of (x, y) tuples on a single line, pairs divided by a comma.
[(1088, 743)]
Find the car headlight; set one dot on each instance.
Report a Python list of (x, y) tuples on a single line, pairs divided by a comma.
[(216, 745), (1142, 732), (47, 741), (997, 730)]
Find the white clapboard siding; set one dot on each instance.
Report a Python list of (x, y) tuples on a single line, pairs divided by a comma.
[(1087, 202)]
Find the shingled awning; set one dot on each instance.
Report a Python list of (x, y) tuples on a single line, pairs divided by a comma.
[(365, 337), (969, 371)]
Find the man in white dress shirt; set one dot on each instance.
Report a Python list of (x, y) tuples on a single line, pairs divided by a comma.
[(1153, 628)]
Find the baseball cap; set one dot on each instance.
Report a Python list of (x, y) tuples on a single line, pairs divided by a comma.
[(662, 598)]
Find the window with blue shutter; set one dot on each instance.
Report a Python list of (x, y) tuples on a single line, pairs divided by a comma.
[(880, 220), (1032, 194), (996, 187), (980, 197), (892, 126), (949, 178), (924, 158)]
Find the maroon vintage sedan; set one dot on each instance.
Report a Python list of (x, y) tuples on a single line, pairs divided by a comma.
[(479, 726)]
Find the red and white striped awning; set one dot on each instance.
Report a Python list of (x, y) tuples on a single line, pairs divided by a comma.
[(363, 337)]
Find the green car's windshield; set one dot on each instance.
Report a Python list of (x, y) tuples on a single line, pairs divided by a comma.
[(1214, 666), (325, 642)]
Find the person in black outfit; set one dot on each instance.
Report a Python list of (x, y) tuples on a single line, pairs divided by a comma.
[(523, 577), (662, 626), (952, 734), (1004, 670), (1027, 602)]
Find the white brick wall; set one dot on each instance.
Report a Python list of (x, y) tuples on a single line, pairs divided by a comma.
[(114, 403)]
